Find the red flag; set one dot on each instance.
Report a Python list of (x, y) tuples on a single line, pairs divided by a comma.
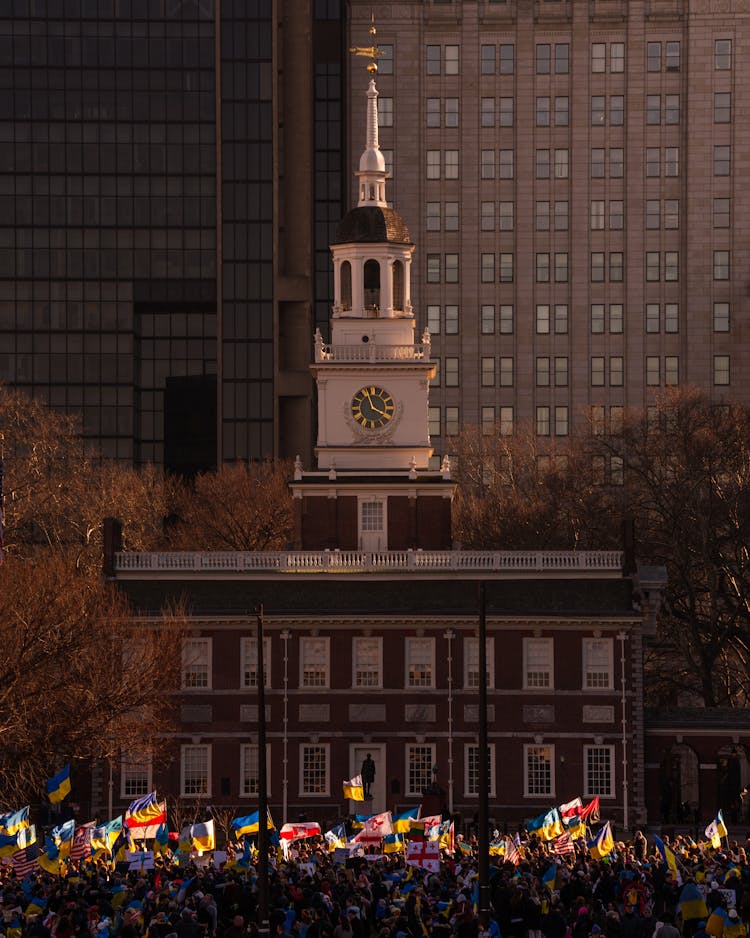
[(591, 811)]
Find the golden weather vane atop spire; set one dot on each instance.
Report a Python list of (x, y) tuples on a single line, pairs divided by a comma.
[(369, 52)]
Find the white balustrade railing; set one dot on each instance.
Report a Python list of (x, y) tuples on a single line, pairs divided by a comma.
[(387, 561), (371, 352)]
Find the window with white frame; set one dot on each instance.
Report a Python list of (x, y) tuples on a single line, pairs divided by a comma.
[(420, 662), (538, 770), (314, 769), (538, 663), (599, 771), (597, 663), (195, 770), (314, 652), (419, 762), (196, 664), (472, 770), (249, 661), (135, 775), (367, 664), (471, 662), (250, 770)]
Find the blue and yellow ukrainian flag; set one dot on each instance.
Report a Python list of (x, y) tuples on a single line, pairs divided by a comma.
[(250, 824), (667, 854), (603, 844), (402, 822), (548, 825), (58, 787), (15, 821)]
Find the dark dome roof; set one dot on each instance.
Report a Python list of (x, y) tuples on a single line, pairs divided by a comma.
[(369, 224)]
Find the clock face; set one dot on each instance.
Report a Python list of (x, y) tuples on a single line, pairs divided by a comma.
[(372, 407)]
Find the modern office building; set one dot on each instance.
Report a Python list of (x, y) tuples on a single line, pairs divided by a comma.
[(572, 175), (168, 169)]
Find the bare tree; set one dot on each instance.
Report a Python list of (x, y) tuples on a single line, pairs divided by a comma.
[(238, 507), (79, 674)]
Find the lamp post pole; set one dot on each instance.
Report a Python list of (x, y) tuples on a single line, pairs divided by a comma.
[(262, 789), (484, 769)]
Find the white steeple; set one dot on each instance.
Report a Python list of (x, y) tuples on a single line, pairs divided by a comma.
[(372, 174)]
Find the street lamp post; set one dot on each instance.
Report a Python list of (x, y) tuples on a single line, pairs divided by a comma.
[(262, 787), (484, 769)]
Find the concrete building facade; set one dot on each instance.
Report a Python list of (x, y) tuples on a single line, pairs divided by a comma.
[(571, 172)]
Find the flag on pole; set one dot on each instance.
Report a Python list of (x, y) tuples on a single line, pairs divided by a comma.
[(198, 837), (58, 787), (81, 848), (667, 854), (26, 860), (62, 837), (336, 837), (550, 877), (300, 831), (602, 844), (512, 853), (590, 812), (716, 830), (570, 809), (563, 845), (691, 903), (104, 836), (547, 826), (13, 822), (402, 822), (375, 827), (423, 853), (146, 812), (354, 789), (249, 824)]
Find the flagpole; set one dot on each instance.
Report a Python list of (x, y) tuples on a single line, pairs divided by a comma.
[(263, 927), (484, 769)]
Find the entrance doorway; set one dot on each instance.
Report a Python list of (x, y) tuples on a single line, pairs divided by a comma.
[(357, 755)]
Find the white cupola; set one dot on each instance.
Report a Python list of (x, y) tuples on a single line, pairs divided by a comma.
[(372, 172)]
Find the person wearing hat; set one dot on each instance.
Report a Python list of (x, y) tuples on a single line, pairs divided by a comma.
[(734, 927)]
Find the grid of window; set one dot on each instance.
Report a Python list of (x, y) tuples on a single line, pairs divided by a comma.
[(249, 770), (314, 770), (249, 661), (135, 775), (419, 762), (471, 662), (196, 663), (599, 761), (597, 663), (367, 655), (314, 652), (538, 770), (195, 765), (420, 662), (538, 663), (472, 764)]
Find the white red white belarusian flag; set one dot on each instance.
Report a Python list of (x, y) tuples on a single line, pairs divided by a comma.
[(299, 831)]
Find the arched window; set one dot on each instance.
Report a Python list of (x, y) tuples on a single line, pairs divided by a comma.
[(372, 284), (346, 285), (398, 285)]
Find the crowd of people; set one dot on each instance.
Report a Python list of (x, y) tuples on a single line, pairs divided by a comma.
[(629, 894)]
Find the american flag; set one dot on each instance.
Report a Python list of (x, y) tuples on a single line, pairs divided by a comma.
[(562, 845), (81, 847), (512, 853), (26, 861)]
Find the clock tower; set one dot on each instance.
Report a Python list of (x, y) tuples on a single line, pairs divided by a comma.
[(373, 490)]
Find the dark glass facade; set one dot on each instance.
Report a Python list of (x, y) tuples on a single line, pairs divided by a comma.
[(119, 270)]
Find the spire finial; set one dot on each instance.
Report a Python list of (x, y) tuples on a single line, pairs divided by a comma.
[(369, 52)]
